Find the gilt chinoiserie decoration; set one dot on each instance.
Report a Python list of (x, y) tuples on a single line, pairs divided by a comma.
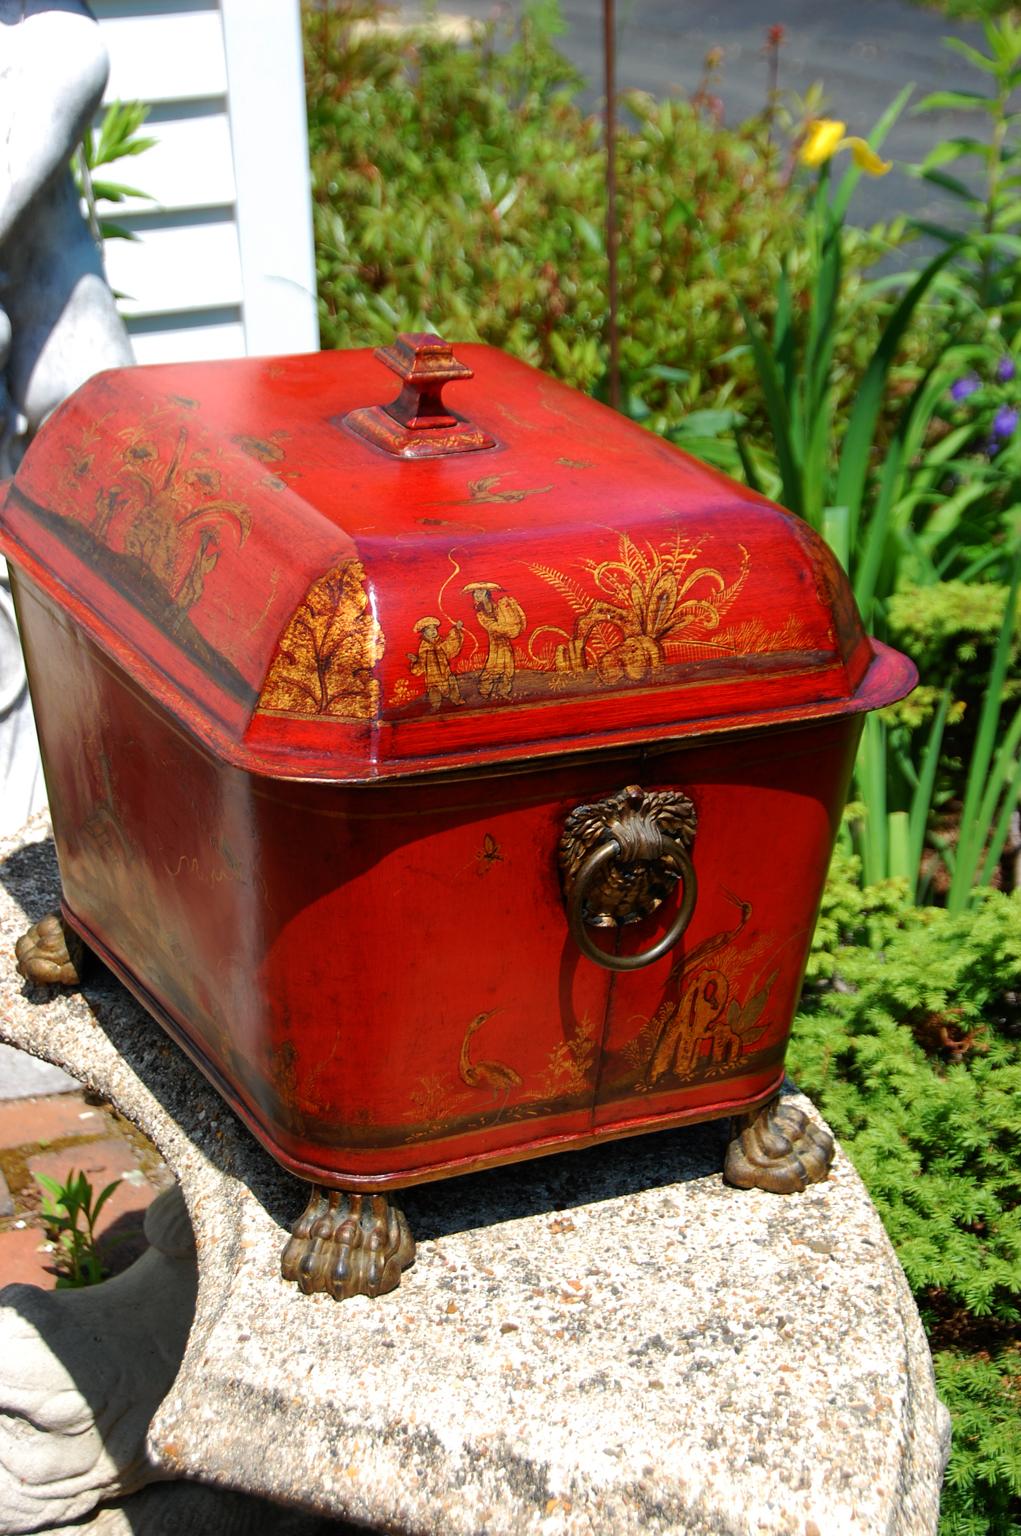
[(326, 657), (453, 776)]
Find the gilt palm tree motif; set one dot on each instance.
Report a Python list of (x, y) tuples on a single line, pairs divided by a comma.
[(641, 608)]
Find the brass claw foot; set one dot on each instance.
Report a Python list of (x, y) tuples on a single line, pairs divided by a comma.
[(348, 1245), (777, 1148), (50, 953)]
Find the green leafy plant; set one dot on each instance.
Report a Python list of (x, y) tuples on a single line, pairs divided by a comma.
[(70, 1211), (982, 1493), (462, 189), (865, 515), (824, 475), (967, 512), (915, 1060), (118, 138), (989, 772), (903, 495), (993, 210)]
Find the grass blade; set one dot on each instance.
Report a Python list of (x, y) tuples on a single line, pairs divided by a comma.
[(972, 834), (899, 848), (783, 332), (872, 785), (836, 531), (751, 474), (999, 831), (857, 447), (776, 408), (921, 800), (866, 576)]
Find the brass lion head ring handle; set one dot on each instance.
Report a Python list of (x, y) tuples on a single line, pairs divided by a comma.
[(619, 859), (588, 876)]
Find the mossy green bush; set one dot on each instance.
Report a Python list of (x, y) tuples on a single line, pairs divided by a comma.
[(914, 1057), (849, 912), (951, 627), (916, 1061), (982, 1493)]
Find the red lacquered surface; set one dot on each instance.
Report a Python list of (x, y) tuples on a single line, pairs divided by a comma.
[(381, 980), (270, 576), (313, 719)]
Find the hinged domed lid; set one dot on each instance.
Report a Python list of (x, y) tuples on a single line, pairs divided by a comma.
[(319, 588)]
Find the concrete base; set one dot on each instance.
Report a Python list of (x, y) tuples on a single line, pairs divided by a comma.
[(603, 1341), (23, 1077)]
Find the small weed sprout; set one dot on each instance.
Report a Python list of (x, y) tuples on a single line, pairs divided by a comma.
[(70, 1212)]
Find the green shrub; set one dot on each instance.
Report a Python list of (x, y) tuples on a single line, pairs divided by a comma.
[(915, 1060), (982, 1492), (850, 911), (462, 190), (951, 628)]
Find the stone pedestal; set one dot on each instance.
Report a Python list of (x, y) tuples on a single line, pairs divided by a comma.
[(612, 1340)]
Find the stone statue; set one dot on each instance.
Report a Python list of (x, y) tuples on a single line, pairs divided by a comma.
[(81, 1374), (58, 320), (83, 1371)]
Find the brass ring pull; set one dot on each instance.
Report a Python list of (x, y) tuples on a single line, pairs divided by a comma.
[(588, 874)]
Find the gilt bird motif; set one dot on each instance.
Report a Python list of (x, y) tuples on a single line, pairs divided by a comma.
[(495, 1075)]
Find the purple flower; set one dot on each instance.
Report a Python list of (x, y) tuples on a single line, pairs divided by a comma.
[(1006, 369), (1005, 422), (960, 389)]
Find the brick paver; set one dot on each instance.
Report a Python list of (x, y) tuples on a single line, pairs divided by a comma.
[(103, 1163), (56, 1135), (27, 1122), (23, 1259)]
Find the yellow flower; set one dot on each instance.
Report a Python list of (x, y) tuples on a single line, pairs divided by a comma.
[(822, 141), (826, 135), (865, 157)]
